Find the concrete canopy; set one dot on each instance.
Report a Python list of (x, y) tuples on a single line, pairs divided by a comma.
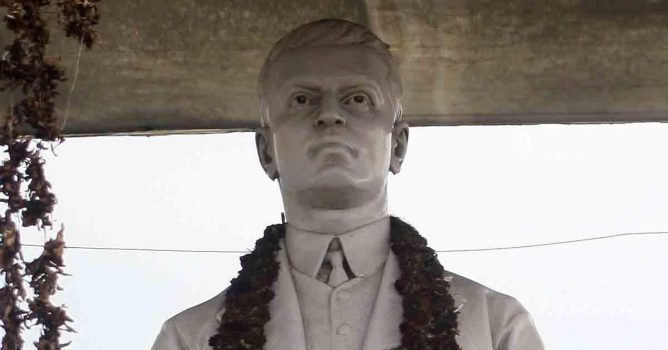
[(190, 66)]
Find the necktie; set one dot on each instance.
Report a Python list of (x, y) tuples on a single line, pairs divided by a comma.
[(338, 274), (333, 271)]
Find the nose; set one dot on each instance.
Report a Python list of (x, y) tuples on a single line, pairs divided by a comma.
[(329, 114)]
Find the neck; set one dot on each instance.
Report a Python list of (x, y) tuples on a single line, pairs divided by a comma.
[(304, 215)]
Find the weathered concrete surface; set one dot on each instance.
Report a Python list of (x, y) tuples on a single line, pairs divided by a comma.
[(528, 61), (170, 66)]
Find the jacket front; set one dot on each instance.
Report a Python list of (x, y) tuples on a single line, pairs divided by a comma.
[(488, 320)]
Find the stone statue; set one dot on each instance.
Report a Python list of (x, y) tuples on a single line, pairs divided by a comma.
[(341, 273)]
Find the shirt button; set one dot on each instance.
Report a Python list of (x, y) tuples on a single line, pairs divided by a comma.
[(343, 295), (343, 329)]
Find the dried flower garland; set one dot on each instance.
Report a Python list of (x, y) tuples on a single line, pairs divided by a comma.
[(24, 66), (44, 273), (429, 315)]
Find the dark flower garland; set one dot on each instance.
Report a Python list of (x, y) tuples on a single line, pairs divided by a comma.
[(249, 294), (26, 69), (429, 314)]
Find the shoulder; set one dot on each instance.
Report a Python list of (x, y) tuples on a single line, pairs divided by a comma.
[(191, 329), (466, 290), (484, 310)]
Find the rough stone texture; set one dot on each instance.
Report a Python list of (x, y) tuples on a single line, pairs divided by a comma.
[(171, 66), (528, 61)]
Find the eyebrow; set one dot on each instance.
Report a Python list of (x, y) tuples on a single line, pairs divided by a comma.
[(364, 85), (348, 83), (310, 88)]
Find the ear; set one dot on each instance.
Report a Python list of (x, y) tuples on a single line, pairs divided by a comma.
[(265, 152), (399, 146)]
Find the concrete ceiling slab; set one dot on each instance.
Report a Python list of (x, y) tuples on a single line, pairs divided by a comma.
[(190, 66)]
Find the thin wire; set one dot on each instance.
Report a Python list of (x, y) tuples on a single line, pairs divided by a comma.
[(438, 251), (74, 84), (148, 249), (588, 239), (11, 110)]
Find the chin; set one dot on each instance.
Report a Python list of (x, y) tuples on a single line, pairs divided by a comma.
[(334, 197), (338, 190), (333, 177)]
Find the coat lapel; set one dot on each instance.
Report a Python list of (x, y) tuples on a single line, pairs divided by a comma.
[(383, 330), (285, 329)]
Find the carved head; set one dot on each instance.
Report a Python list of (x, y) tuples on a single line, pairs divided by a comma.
[(330, 101)]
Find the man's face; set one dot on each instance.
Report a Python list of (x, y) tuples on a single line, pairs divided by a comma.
[(331, 120)]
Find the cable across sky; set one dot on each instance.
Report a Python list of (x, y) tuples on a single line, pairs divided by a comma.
[(469, 250)]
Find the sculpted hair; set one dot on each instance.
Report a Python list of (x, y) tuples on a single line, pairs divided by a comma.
[(326, 32)]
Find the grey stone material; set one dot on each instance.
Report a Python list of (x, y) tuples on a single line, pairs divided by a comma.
[(168, 66)]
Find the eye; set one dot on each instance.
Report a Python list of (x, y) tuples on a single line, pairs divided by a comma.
[(357, 99), (300, 100), (358, 102)]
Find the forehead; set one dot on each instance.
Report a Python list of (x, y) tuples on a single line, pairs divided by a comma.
[(328, 64)]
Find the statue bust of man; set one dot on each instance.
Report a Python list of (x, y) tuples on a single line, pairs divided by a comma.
[(341, 273)]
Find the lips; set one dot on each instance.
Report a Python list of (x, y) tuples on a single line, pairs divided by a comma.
[(314, 150)]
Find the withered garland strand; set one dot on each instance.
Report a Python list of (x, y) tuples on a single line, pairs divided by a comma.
[(25, 68), (429, 315), (44, 273), (12, 314)]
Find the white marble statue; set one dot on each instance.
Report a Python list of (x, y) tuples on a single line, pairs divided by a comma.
[(341, 273)]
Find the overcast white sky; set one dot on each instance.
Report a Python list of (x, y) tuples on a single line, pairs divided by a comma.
[(461, 187)]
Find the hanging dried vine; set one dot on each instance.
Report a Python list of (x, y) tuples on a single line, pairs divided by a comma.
[(27, 72), (13, 291), (44, 273)]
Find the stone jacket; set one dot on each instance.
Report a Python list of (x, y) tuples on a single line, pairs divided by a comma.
[(488, 320)]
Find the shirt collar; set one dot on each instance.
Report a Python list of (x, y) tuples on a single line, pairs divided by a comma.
[(365, 248)]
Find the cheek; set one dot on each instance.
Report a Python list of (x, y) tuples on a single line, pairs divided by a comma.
[(377, 149), (288, 148), (386, 146), (282, 146)]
